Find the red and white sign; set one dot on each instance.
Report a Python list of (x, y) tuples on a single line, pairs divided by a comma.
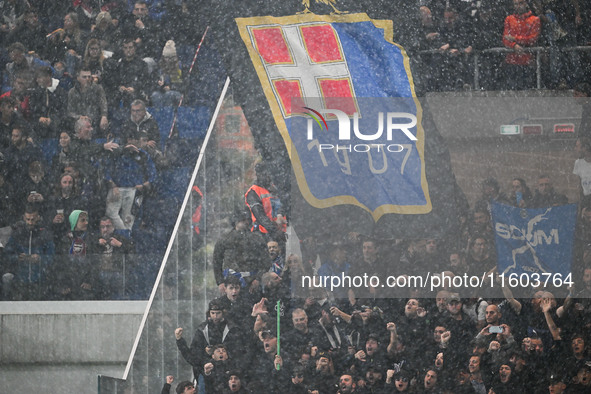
[(305, 60), (566, 128)]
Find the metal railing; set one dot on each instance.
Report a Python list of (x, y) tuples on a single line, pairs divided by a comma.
[(538, 50)]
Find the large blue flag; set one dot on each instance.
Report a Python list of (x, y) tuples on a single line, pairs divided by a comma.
[(343, 99), (331, 102), (534, 240)]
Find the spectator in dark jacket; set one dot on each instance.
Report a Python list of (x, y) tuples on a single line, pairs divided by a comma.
[(88, 100), (141, 120), (20, 154), (30, 251), (130, 172), (75, 276), (30, 32), (127, 79), (215, 330), (113, 254), (47, 104)]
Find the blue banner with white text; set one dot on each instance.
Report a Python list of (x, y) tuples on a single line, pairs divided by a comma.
[(534, 240)]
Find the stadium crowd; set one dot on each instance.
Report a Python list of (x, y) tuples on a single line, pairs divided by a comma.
[(501, 33), (82, 74), (81, 156), (76, 135), (360, 340)]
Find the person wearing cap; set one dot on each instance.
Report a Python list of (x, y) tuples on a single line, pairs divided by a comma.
[(323, 378), (261, 201), (459, 324), (504, 381), (234, 383), (29, 255), (267, 367), (76, 276), (240, 253), (556, 384), (215, 330), (170, 81), (373, 353)]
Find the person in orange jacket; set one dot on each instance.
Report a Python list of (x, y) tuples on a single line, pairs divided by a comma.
[(522, 29)]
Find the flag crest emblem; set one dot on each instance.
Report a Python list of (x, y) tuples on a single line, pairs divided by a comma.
[(346, 71)]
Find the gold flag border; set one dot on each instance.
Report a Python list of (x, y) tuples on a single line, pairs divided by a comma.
[(387, 27)]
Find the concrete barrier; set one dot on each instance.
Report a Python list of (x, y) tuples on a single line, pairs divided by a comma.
[(63, 346)]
